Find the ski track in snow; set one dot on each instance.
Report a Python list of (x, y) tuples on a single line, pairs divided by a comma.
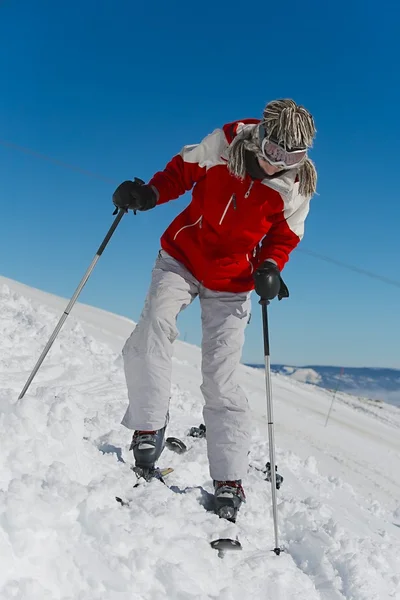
[(64, 457)]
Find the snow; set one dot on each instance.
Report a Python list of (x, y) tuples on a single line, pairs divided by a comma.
[(305, 375), (64, 457)]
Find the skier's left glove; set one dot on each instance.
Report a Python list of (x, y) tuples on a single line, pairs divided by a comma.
[(268, 282), (135, 195)]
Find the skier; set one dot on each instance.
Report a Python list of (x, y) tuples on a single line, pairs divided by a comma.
[(251, 184)]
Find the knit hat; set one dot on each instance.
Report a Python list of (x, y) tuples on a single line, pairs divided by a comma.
[(286, 123)]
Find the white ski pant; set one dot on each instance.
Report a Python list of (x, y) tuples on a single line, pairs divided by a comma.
[(148, 364)]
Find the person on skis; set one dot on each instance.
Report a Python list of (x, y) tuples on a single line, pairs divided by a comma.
[(251, 183)]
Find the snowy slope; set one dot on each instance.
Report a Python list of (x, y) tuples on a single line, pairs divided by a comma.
[(64, 457)]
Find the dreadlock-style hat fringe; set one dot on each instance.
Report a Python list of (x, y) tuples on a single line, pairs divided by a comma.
[(245, 140), (307, 178), (290, 125)]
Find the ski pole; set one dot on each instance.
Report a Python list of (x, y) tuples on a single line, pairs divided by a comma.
[(73, 300), (271, 438)]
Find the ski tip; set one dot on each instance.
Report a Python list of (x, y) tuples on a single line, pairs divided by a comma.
[(225, 545), (176, 445), (165, 472)]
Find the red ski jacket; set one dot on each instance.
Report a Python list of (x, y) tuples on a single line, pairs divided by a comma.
[(230, 226)]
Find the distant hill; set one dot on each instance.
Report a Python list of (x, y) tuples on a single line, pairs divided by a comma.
[(375, 383)]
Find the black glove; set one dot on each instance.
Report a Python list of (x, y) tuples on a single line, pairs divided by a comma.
[(135, 195), (269, 283)]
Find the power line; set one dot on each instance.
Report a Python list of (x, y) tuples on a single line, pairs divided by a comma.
[(350, 267), (55, 161), (94, 175)]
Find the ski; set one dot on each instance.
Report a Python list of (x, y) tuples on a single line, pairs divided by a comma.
[(175, 445), (226, 543), (198, 432), (147, 476), (223, 545)]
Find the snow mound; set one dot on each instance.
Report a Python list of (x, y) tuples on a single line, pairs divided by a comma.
[(306, 376)]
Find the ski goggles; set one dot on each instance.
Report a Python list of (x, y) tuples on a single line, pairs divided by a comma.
[(278, 156)]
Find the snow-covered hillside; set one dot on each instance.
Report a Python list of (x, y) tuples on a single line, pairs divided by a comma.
[(64, 457)]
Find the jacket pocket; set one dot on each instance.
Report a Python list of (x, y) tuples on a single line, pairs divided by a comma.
[(250, 263), (198, 222)]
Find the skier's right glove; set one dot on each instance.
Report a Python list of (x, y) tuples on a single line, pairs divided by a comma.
[(135, 195)]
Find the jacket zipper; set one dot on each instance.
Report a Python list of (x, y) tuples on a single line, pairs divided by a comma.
[(232, 200), (186, 226), (247, 194)]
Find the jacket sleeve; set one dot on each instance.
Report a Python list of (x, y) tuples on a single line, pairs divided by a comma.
[(188, 167), (286, 232)]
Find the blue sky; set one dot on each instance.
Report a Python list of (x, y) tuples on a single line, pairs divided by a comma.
[(117, 88)]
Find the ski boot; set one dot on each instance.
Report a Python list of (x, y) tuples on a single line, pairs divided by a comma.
[(147, 447), (228, 498)]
